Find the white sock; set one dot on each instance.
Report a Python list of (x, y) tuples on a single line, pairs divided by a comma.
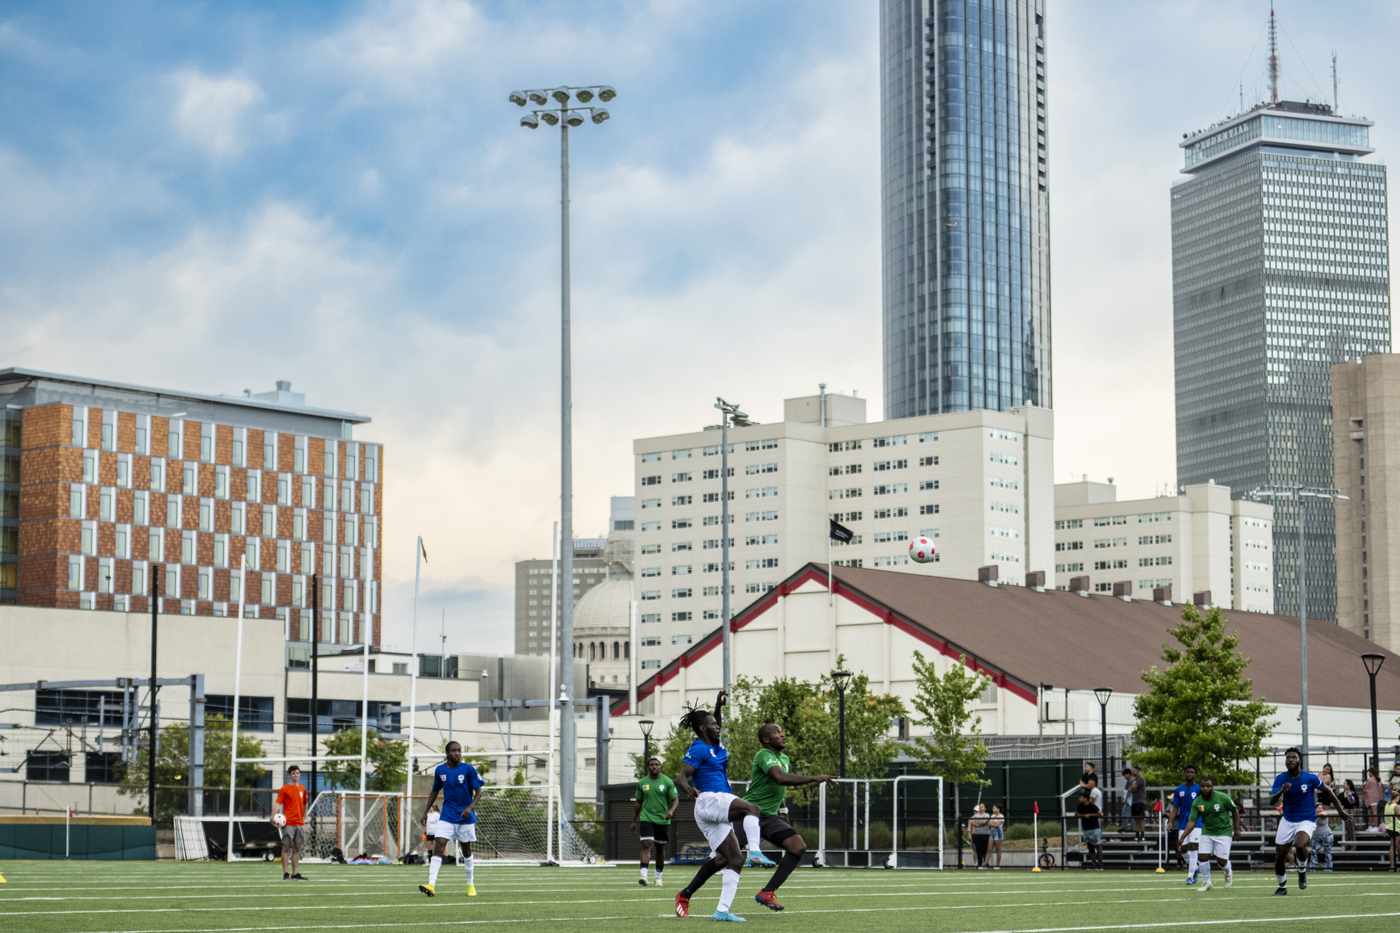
[(644, 873), (434, 866), (751, 831), (658, 874), (729, 887), (469, 863), (1283, 881), (1192, 863), (1205, 872)]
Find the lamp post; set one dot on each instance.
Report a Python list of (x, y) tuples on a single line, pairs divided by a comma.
[(646, 725), (565, 115), (1102, 694), (728, 412), (1300, 492), (840, 679), (1373, 662)]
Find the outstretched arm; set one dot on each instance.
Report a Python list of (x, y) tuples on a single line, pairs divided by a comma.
[(1336, 802), (719, 704), (787, 779)]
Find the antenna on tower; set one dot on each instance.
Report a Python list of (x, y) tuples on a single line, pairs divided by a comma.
[(1273, 58), (1334, 82)]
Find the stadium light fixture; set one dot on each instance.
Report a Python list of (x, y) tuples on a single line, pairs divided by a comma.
[(840, 679), (1102, 694), (646, 726), (519, 98), (1373, 662), (600, 115), (530, 120)]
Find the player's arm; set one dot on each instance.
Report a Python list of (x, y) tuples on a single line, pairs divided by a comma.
[(1337, 802), (432, 798), (788, 779), (675, 802), (1235, 815), (480, 789), (719, 704), (636, 811), (1279, 790), (683, 780), (276, 809)]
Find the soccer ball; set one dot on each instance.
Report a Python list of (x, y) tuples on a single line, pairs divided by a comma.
[(921, 550), (279, 819)]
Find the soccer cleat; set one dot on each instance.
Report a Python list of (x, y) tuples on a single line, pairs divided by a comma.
[(285, 876), (1280, 890), (1229, 876), (1205, 887), (759, 860), (726, 915), (642, 882), (428, 890), (658, 881), (471, 890), (768, 899), (298, 877), (1302, 881), (682, 906), (1191, 878)]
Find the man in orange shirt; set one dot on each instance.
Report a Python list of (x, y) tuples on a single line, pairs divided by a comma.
[(292, 801)]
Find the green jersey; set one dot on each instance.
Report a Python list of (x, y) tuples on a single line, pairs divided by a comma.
[(1213, 814), (765, 792), (656, 794)]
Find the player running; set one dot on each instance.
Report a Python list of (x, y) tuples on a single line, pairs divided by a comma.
[(703, 780), (460, 786), (655, 804), (292, 801), (1183, 799), (768, 786), (1219, 820), (1298, 790)]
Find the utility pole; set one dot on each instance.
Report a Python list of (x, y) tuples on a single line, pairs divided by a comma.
[(151, 697), (315, 664)]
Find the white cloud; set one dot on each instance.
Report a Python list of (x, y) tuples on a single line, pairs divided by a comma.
[(216, 114)]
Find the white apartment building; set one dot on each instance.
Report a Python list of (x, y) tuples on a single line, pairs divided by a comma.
[(1198, 541), (980, 483)]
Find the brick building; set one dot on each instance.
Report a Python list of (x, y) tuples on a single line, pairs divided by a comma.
[(103, 483)]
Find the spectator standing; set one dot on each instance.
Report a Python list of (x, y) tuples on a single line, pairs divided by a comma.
[(1351, 800), (1094, 793), (1125, 814), (1089, 815), (1322, 839), (1136, 794), (1392, 829), (981, 827), (1372, 795), (998, 833), (1088, 773)]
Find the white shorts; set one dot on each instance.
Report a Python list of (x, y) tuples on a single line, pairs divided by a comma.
[(1218, 846), (1194, 839), (712, 816), (462, 832), (1287, 829)]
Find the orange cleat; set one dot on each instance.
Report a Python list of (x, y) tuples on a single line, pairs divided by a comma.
[(768, 899), (682, 906)]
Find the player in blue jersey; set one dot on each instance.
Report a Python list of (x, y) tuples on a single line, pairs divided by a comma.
[(703, 780), (1183, 799), (460, 786), (1298, 791)]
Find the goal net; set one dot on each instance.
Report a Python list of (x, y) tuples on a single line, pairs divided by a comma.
[(512, 827)]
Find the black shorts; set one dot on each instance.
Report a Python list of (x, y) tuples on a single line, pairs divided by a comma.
[(1139, 810), (773, 828), (656, 831)]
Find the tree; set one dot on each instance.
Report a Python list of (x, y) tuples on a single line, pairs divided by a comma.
[(942, 706), (1201, 710), (173, 756), (388, 761)]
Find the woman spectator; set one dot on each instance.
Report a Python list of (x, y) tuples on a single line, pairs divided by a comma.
[(997, 824), (1372, 795), (1392, 829), (980, 825), (1352, 801)]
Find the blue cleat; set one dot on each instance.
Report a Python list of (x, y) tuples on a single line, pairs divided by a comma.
[(759, 860), (726, 915), (1191, 878), (1302, 881)]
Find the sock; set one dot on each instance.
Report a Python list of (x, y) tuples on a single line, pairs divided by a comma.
[(658, 874), (469, 863), (434, 866), (785, 866), (1282, 881), (1205, 872), (707, 869), (1303, 856), (1192, 863), (728, 888), (751, 831), (644, 873)]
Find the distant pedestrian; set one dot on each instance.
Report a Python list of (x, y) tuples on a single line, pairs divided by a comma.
[(1392, 829), (1322, 839), (1095, 793), (998, 833), (1351, 801), (1136, 794), (980, 826), (1372, 796), (1089, 828)]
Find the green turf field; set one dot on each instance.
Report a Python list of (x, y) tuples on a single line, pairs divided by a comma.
[(85, 897)]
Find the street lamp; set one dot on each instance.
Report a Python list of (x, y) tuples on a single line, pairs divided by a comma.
[(728, 412), (646, 725), (840, 679), (1373, 662), (1301, 492), (1102, 694), (568, 116)]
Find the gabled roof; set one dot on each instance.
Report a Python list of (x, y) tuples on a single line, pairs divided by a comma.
[(1022, 638)]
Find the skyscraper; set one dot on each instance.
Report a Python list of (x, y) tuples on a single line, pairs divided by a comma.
[(965, 208), (1279, 270)]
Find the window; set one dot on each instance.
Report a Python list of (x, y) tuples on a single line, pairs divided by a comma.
[(649, 617), (759, 587), (681, 639), (651, 503), (764, 492), (123, 471), (1163, 561), (881, 466), (651, 571), (1103, 587), (138, 580), (840, 446), (1010, 508), (770, 516), (328, 494), (884, 537), (1003, 459), (88, 539), (769, 444), (1100, 543), (1000, 482), (254, 713), (929, 437), (926, 485), (1067, 523), (651, 458), (681, 477), (762, 563), (843, 470), (238, 451), (1069, 545), (754, 469), (187, 549), (998, 435), (846, 516), (1119, 564), (651, 480), (157, 475), (1156, 539), (328, 530), (1104, 521), (330, 460), (651, 641), (1068, 568), (347, 497), (90, 469), (710, 615), (680, 455), (928, 461), (1155, 517), (761, 539), (651, 526), (173, 448), (683, 593), (677, 523), (898, 440), (648, 595), (900, 512), (75, 574), (76, 508), (651, 549), (890, 489), (895, 560), (46, 766), (652, 665), (254, 491), (681, 500)]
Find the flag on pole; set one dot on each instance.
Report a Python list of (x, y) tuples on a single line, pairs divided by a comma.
[(1036, 804), (1157, 807), (423, 549), (840, 532)]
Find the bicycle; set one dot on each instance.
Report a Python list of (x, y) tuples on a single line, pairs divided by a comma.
[(1046, 860)]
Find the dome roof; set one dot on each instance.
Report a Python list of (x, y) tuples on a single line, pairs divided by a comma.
[(607, 605)]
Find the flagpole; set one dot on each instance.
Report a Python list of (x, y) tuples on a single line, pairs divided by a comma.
[(413, 672), (554, 705), (1035, 837)]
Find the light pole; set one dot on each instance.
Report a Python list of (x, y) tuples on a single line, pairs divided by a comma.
[(646, 725), (840, 678), (741, 420), (1301, 492), (1373, 662), (1102, 694), (565, 116)]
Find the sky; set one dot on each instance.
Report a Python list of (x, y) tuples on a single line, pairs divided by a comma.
[(214, 196)]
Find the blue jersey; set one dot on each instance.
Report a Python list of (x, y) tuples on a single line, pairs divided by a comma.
[(710, 763), (1300, 800), (458, 785), (1182, 798)]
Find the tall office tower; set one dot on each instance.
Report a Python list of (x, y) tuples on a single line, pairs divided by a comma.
[(965, 211), (1279, 270)]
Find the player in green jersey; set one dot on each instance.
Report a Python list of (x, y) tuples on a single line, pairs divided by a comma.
[(655, 804), (1219, 819), (768, 784)]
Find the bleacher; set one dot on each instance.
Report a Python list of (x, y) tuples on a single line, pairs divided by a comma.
[(1370, 851)]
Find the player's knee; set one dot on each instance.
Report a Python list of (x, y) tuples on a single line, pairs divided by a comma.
[(796, 845)]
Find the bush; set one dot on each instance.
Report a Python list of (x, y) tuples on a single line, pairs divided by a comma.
[(1020, 831)]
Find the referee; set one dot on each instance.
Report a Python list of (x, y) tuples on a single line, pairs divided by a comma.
[(655, 804)]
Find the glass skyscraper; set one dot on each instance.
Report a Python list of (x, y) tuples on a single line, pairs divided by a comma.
[(1279, 270), (965, 210)]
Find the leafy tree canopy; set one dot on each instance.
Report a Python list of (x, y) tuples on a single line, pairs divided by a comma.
[(953, 747), (388, 761)]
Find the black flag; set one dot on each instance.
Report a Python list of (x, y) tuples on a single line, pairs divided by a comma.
[(841, 533)]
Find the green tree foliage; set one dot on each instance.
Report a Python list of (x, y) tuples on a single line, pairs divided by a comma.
[(1200, 710), (388, 761), (942, 705), (173, 757), (670, 750)]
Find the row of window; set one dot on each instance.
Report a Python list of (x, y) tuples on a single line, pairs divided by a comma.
[(182, 512), (258, 553), (335, 494), (686, 454), (173, 577), (1065, 524)]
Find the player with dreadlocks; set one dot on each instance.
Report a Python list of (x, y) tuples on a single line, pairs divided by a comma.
[(703, 780)]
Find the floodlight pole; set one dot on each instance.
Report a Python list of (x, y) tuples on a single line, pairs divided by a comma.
[(151, 695), (726, 636)]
